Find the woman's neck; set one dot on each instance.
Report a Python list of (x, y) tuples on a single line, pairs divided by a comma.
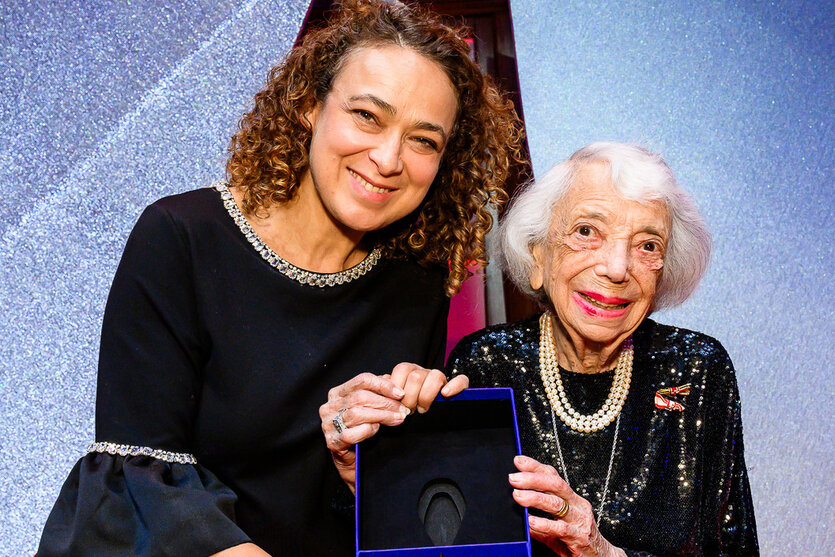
[(582, 355), (305, 235)]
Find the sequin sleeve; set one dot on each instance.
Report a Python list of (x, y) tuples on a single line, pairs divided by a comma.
[(462, 361), (727, 510), (486, 356), (139, 491)]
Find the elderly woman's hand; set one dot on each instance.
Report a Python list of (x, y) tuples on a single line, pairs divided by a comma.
[(356, 409), (575, 534)]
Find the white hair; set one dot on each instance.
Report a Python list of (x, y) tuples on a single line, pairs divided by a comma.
[(638, 175)]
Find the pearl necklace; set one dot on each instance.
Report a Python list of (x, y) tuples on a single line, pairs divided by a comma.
[(550, 372), (564, 469)]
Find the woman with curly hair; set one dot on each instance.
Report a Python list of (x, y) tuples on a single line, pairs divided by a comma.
[(358, 188)]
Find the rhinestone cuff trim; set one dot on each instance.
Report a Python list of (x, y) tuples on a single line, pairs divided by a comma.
[(285, 267), (133, 450)]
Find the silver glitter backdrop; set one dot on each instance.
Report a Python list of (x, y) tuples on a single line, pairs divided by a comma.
[(107, 106)]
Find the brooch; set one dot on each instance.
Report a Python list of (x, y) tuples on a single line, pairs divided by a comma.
[(664, 403)]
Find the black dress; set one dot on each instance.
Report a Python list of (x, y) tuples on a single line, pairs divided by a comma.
[(214, 361), (678, 483)]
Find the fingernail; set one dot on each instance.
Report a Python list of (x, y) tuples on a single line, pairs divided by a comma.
[(404, 411), (421, 409), (399, 392), (513, 477), (517, 492), (534, 520)]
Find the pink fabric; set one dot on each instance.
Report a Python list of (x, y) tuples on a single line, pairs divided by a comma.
[(467, 311)]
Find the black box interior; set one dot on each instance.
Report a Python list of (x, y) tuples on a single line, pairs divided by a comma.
[(466, 443)]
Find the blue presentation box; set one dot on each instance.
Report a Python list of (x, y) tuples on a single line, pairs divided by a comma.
[(467, 441)]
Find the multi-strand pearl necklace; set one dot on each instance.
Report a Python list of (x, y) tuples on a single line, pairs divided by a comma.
[(550, 371)]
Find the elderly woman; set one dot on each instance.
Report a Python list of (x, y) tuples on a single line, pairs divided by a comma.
[(357, 190), (632, 428)]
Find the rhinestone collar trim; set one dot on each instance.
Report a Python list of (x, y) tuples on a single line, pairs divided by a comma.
[(133, 450), (285, 267)]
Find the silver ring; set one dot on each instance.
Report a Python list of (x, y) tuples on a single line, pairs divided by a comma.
[(339, 423)]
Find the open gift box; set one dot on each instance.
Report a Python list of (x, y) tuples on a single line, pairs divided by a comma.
[(437, 484)]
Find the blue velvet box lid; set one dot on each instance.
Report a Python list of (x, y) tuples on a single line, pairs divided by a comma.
[(468, 440)]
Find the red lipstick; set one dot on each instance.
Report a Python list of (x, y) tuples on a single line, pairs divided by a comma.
[(605, 299), (592, 310)]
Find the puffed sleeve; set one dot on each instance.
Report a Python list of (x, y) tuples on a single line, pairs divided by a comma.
[(139, 490), (727, 510)]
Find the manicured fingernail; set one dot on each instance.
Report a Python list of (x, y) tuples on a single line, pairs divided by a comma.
[(421, 409), (514, 477), (404, 411), (399, 392), (517, 492)]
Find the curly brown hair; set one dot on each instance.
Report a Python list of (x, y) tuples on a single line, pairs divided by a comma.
[(269, 153)]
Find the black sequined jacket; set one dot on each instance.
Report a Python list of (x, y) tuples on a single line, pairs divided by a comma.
[(678, 482)]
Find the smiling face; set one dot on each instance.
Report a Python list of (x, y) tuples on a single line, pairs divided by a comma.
[(378, 138), (602, 260)]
